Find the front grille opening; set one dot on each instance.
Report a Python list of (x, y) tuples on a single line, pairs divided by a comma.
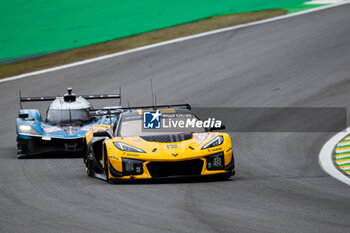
[(173, 169)]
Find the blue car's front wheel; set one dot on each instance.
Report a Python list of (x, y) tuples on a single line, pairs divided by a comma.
[(21, 148)]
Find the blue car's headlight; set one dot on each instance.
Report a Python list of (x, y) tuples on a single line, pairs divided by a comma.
[(126, 147), (214, 142), (27, 129)]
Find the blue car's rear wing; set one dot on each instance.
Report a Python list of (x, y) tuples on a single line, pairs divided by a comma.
[(68, 97), (51, 98)]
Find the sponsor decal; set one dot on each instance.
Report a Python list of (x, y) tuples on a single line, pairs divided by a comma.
[(132, 154), (216, 149), (172, 146), (52, 129)]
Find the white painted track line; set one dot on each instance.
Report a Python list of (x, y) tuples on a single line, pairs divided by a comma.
[(169, 42), (325, 157), (324, 1)]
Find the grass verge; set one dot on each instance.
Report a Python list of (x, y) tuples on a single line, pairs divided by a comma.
[(135, 41)]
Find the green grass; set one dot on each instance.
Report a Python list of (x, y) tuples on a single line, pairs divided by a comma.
[(303, 7), (127, 43)]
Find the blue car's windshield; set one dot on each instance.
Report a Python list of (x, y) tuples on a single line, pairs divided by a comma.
[(67, 116)]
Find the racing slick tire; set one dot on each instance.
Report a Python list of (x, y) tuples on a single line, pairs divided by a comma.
[(107, 171), (89, 170), (106, 166)]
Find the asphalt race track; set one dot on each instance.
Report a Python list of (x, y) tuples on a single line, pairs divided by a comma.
[(279, 186)]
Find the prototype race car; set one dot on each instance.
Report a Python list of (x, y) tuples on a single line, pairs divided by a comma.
[(63, 127), (126, 151)]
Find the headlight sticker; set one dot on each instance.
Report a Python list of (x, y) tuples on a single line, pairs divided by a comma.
[(201, 137)]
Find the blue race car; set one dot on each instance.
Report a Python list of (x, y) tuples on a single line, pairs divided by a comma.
[(63, 128)]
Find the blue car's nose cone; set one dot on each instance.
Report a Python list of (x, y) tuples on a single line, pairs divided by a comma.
[(68, 131)]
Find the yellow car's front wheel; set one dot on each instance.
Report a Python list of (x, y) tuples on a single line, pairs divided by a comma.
[(88, 168), (106, 161), (107, 170)]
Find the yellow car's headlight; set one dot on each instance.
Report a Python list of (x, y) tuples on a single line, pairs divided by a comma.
[(126, 147), (214, 142)]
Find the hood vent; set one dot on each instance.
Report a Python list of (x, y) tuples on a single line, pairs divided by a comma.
[(167, 138)]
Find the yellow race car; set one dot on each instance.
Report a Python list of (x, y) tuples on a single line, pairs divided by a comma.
[(125, 150)]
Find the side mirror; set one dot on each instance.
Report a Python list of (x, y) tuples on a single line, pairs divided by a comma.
[(102, 134), (222, 127), (23, 115)]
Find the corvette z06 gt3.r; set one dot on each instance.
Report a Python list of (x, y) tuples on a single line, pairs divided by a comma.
[(125, 151)]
